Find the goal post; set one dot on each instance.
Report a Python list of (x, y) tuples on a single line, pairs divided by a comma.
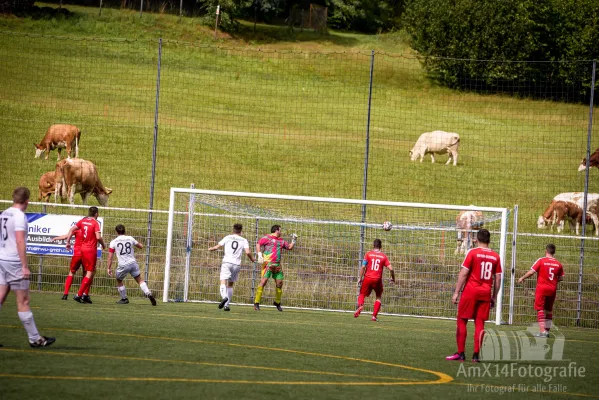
[(321, 271)]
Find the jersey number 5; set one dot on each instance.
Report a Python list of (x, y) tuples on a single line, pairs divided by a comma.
[(486, 268)]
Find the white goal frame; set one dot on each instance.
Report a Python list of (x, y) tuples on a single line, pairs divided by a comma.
[(171, 214)]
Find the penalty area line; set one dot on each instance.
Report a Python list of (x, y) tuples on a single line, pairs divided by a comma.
[(202, 363)]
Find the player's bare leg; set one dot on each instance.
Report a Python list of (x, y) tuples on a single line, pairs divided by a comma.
[(144, 288), (223, 293), (259, 291), (26, 317), (278, 294)]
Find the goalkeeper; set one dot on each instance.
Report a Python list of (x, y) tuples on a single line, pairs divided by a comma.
[(269, 256)]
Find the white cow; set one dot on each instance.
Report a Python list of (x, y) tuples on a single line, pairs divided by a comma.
[(439, 142), (467, 222)]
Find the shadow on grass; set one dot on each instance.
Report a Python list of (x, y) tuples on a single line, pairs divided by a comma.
[(268, 34), (47, 13)]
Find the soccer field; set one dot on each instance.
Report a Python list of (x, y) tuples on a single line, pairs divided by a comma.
[(196, 351)]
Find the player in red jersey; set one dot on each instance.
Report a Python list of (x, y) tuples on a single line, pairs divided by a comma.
[(371, 277), (480, 279), (92, 235), (550, 273), (76, 259)]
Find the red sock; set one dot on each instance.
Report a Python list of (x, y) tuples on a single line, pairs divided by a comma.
[(88, 287), (548, 320), (82, 288), (67, 284), (377, 308), (461, 333), (360, 300), (479, 333), (541, 320)]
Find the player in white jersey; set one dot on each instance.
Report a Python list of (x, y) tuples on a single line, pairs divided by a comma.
[(229, 270), (124, 247), (14, 272)]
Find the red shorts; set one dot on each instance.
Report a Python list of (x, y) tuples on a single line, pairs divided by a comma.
[(474, 305), (89, 260), (76, 261), (544, 300), (368, 285)]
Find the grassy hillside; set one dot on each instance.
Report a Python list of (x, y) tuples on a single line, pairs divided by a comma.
[(280, 114)]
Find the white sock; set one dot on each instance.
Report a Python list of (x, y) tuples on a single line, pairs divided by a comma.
[(229, 295), (223, 290), (122, 292), (144, 288), (26, 318)]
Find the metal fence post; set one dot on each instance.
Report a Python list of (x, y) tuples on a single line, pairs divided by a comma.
[(366, 156), (41, 264), (149, 234), (141, 7), (513, 277), (586, 193)]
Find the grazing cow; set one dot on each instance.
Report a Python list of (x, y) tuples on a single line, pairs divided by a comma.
[(439, 142), (467, 222), (594, 161), (568, 206), (75, 175), (58, 137), (47, 186)]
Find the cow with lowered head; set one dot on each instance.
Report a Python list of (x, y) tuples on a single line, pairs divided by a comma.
[(436, 142), (60, 136), (594, 158), (75, 175), (47, 186)]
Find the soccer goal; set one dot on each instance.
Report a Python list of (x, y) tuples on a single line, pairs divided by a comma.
[(334, 234)]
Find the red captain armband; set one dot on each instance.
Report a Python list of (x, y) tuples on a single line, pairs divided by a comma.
[(111, 250)]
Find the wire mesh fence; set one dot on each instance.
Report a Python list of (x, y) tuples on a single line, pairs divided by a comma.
[(338, 124)]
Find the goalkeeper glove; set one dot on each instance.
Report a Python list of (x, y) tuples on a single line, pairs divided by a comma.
[(293, 237), (260, 258)]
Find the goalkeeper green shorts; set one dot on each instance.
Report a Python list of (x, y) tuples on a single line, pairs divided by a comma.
[(273, 272)]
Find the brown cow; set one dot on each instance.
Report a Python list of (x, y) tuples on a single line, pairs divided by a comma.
[(75, 175), (47, 186), (594, 161), (467, 222), (560, 211), (58, 137)]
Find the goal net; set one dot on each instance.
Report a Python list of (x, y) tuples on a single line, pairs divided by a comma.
[(321, 272)]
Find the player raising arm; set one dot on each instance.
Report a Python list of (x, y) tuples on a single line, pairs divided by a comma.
[(550, 273), (231, 265), (269, 250), (371, 277), (124, 247), (14, 272), (479, 281)]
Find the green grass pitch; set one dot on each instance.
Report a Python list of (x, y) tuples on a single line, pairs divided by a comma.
[(196, 351)]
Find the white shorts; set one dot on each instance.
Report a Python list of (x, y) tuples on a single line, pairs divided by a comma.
[(229, 272), (122, 271), (11, 274)]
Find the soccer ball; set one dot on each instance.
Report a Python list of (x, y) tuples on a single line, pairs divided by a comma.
[(387, 226)]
